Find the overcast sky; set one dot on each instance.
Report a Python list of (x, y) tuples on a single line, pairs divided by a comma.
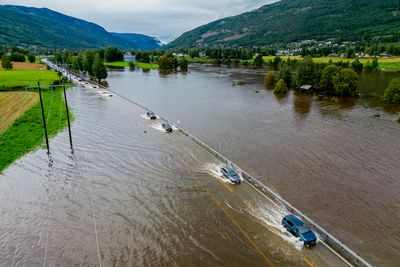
[(165, 19)]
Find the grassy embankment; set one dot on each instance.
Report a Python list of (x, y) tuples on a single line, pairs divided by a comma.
[(22, 125), (389, 64), (137, 65)]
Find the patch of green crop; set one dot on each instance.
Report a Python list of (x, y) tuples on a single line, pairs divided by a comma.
[(11, 79)]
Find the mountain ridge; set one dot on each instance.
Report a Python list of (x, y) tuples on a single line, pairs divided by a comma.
[(27, 26), (296, 20)]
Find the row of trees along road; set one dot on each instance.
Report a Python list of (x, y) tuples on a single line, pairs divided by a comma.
[(90, 62)]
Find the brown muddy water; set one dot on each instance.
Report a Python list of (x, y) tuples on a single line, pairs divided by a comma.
[(135, 196), (335, 160)]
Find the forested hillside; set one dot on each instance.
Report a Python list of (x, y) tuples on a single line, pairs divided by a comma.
[(296, 20), (27, 26)]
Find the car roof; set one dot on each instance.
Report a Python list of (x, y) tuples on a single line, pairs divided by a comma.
[(296, 221), (228, 168)]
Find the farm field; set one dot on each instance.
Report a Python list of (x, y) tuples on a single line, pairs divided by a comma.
[(27, 66), (11, 79), (14, 142), (137, 64), (390, 64), (13, 105)]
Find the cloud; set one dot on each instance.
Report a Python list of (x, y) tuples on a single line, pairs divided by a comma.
[(166, 19)]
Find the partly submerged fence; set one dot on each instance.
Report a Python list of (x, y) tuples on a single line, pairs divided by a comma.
[(348, 254)]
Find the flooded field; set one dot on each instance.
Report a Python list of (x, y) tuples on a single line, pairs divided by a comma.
[(336, 161), (133, 195)]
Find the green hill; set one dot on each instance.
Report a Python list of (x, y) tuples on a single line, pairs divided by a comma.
[(296, 20), (27, 26)]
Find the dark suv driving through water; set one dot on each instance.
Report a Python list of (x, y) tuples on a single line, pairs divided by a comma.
[(230, 174), (167, 127), (299, 229), (151, 115)]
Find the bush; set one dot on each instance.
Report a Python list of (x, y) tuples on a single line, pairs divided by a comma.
[(31, 58), (326, 82), (345, 83), (357, 65), (392, 93), (285, 74), (269, 79), (307, 72), (281, 87), (6, 62)]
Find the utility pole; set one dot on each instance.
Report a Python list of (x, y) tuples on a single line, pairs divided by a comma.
[(44, 119), (69, 124)]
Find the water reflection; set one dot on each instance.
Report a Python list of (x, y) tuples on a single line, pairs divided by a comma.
[(302, 103)]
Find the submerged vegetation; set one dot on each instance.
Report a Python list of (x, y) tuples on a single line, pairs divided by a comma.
[(392, 93)]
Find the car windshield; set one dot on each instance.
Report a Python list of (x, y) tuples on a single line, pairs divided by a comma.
[(232, 173), (303, 229)]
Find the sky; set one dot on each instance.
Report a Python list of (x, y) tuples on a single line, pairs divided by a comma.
[(165, 19)]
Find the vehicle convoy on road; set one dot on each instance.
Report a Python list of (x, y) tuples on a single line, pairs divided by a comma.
[(167, 127), (151, 115), (299, 229), (230, 174)]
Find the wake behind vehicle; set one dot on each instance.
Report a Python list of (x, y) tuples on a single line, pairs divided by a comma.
[(230, 174), (299, 229), (151, 115), (167, 127)]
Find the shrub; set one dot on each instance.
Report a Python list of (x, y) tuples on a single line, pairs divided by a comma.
[(345, 83), (392, 93), (285, 74), (6, 62), (281, 87), (326, 82), (269, 79)]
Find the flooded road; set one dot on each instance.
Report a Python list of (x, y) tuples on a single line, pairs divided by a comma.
[(336, 161), (133, 195)]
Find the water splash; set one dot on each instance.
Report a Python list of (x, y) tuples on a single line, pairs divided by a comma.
[(271, 215)]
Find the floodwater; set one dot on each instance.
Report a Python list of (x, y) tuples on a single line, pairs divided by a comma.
[(337, 161), (132, 195)]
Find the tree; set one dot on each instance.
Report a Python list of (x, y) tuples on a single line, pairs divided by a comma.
[(345, 83), (280, 87), (99, 69), (77, 63), (6, 62), (275, 63), (58, 57), (392, 93), (306, 72), (183, 64), (112, 54), (285, 74), (259, 61), (357, 65), (269, 79), (326, 81), (375, 64), (368, 67), (163, 63), (88, 59), (31, 58)]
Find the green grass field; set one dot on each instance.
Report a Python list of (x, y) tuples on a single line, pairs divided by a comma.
[(392, 64), (137, 65), (11, 79), (27, 132)]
